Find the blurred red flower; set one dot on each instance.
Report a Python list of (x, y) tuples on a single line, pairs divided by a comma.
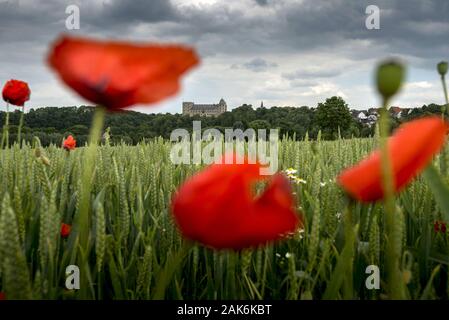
[(440, 226), (436, 226), (117, 75), (2, 296), (411, 148), (217, 208), (65, 230), (69, 143), (16, 92)]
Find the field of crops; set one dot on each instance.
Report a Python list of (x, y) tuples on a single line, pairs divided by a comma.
[(134, 250), (104, 221)]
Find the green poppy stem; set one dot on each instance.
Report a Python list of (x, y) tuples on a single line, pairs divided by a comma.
[(5, 135), (88, 171), (350, 239), (392, 255), (444, 109), (90, 153), (19, 133), (446, 106)]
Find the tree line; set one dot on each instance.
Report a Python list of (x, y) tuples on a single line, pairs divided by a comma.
[(332, 118)]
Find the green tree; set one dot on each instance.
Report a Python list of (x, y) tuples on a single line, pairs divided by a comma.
[(259, 124), (333, 115)]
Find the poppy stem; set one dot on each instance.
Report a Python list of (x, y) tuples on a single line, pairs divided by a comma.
[(444, 109), (97, 125), (392, 258), (446, 106), (89, 155), (20, 127), (5, 135), (350, 238), (387, 172)]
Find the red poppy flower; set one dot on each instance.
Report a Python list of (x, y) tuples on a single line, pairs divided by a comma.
[(443, 227), (69, 143), (65, 230), (439, 226), (16, 92), (216, 207), (411, 148), (117, 74), (2, 296), (436, 226)]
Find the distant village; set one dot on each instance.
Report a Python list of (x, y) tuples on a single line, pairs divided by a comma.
[(370, 116)]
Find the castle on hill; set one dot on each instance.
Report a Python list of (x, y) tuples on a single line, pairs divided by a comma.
[(208, 110)]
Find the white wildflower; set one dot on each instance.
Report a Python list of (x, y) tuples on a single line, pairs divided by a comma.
[(291, 171)]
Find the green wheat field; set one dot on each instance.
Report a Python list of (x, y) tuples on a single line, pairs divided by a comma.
[(135, 251)]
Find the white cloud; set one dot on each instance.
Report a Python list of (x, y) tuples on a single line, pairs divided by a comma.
[(419, 85), (308, 56)]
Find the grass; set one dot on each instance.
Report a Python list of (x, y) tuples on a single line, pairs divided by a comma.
[(133, 249)]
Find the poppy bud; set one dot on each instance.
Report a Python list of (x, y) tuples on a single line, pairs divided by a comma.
[(442, 68), (389, 77)]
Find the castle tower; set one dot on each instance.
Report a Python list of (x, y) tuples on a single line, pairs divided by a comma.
[(190, 108), (187, 107), (223, 106)]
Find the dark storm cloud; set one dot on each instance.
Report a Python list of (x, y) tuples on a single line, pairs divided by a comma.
[(311, 73), (233, 30), (408, 27), (256, 65), (124, 12), (23, 20), (412, 27), (262, 2)]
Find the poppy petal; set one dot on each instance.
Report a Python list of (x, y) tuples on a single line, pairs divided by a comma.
[(118, 75), (273, 212), (217, 207), (69, 143), (411, 148)]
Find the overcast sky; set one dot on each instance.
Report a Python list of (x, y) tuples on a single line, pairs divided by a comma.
[(281, 52)]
